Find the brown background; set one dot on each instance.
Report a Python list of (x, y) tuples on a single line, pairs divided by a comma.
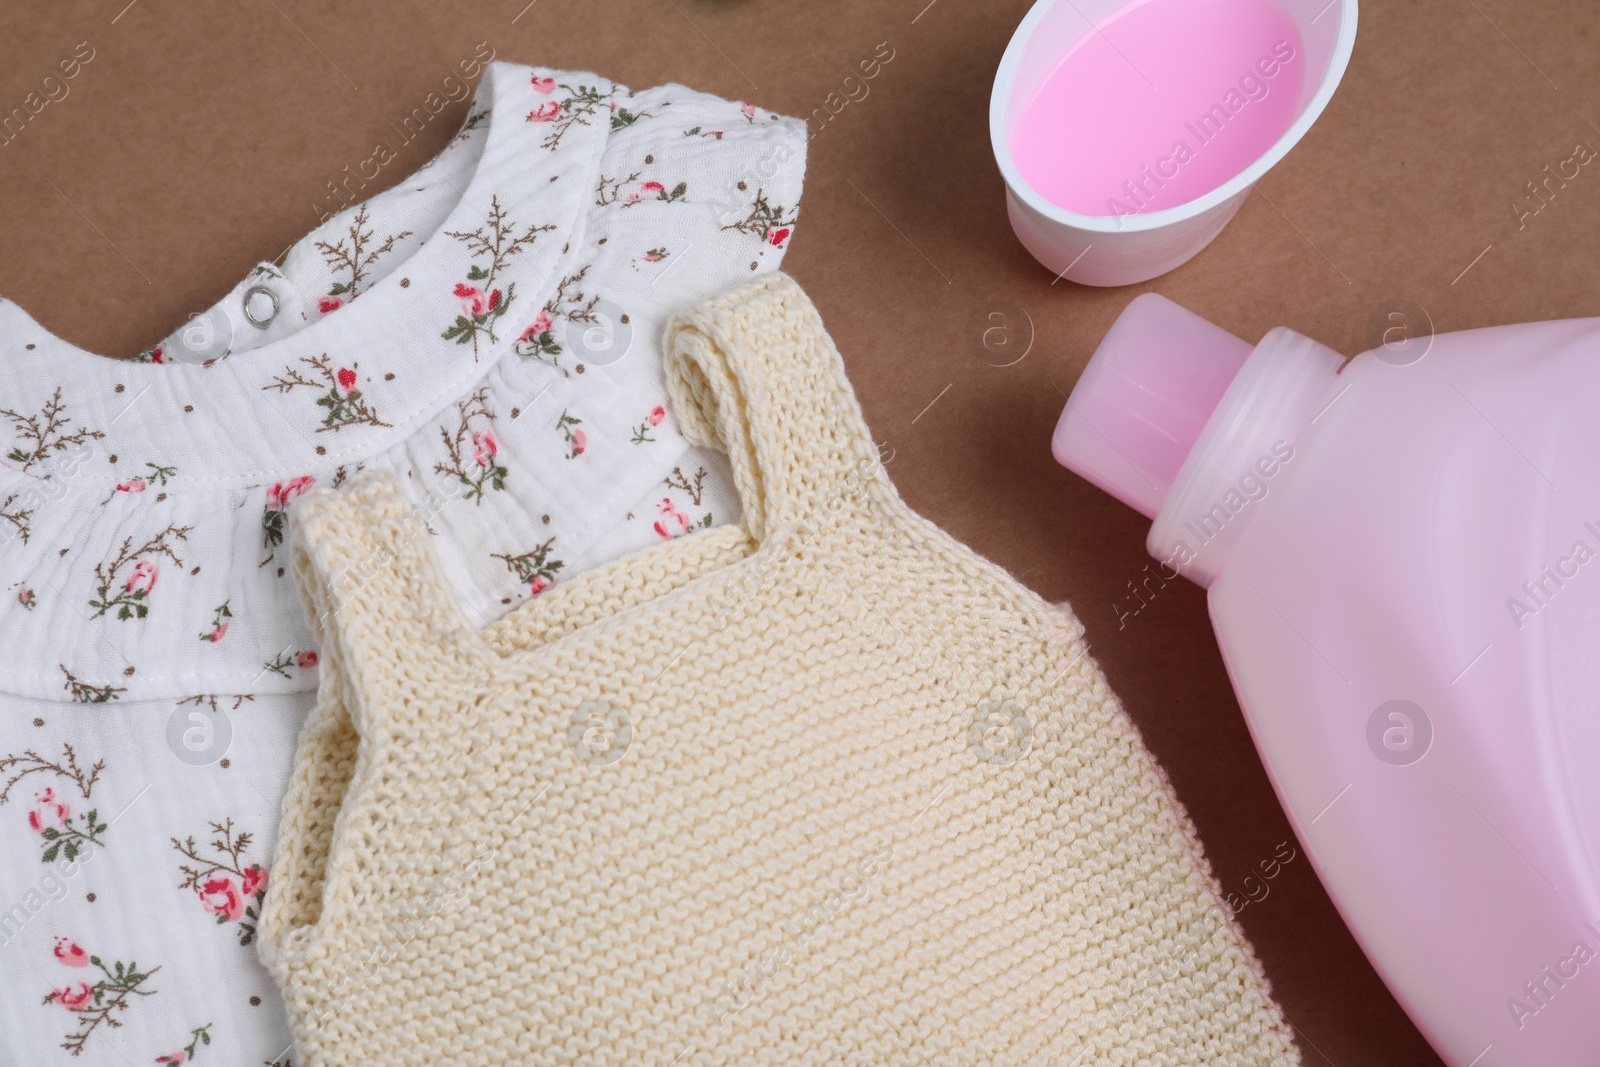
[(200, 138)]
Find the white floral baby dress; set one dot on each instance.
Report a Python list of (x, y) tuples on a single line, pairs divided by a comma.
[(488, 330)]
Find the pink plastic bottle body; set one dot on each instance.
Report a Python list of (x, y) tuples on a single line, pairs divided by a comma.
[(1403, 563), (1387, 563)]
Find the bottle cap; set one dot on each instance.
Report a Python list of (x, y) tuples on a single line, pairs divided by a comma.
[(1143, 399)]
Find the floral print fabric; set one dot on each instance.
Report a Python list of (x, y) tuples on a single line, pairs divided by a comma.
[(487, 329)]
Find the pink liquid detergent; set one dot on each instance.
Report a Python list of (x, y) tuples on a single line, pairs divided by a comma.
[(1161, 103)]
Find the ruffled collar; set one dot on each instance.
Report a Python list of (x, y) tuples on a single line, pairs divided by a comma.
[(276, 380), (464, 328)]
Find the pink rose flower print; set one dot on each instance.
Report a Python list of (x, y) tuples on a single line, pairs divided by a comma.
[(641, 432), (540, 325), (125, 581), (651, 187), (576, 439), (98, 1003), (27, 599), (575, 108), (484, 448), (672, 521), (655, 191), (538, 339), (326, 304), (473, 301), (749, 111), (51, 814), (71, 953), (544, 85), (73, 999), (274, 520), (219, 623), (766, 221), (472, 452), (132, 485), (539, 584), (254, 880), (227, 887), (492, 247), (173, 1057), (282, 492), (52, 819), (306, 660), (221, 897), (143, 578), (479, 310), (341, 400)]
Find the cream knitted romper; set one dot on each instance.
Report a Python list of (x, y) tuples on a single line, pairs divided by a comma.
[(824, 789)]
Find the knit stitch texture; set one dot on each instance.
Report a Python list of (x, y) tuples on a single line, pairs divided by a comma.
[(827, 788)]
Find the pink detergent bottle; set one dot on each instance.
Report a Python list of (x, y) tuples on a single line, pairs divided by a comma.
[(1402, 558)]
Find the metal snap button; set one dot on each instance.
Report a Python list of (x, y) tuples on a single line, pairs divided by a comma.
[(249, 312)]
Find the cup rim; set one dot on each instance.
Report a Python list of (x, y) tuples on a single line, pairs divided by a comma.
[(1000, 97)]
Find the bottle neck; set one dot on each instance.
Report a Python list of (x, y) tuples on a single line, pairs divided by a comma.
[(1242, 453)]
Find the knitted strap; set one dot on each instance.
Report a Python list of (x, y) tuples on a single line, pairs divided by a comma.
[(367, 579), (754, 374), (382, 616)]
